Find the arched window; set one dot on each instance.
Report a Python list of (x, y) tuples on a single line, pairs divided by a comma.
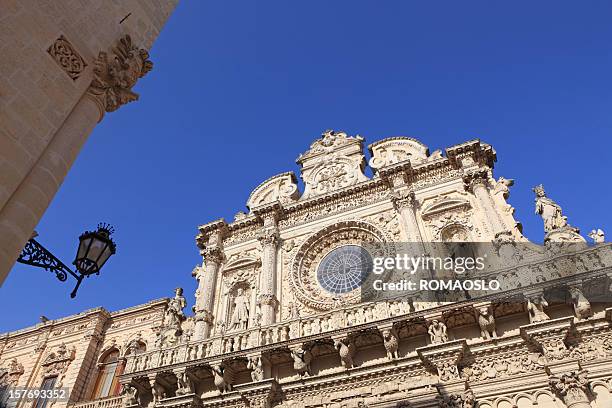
[(110, 369)]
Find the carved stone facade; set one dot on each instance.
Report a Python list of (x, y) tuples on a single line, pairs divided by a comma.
[(66, 63), (277, 323)]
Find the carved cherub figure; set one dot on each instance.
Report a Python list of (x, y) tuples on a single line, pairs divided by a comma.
[(254, 364)]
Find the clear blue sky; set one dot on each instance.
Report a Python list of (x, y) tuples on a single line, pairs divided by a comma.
[(240, 88)]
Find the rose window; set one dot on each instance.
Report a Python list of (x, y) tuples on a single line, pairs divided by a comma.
[(344, 269)]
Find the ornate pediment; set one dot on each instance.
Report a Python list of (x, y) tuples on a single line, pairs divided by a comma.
[(444, 205), (282, 188), (334, 161), (57, 362), (395, 150)]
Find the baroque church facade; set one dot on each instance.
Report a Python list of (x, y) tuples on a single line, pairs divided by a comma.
[(280, 317)]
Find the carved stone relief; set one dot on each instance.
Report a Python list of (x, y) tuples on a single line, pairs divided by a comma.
[(67, 57)]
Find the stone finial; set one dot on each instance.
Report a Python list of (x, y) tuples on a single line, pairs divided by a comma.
[(115, 75)]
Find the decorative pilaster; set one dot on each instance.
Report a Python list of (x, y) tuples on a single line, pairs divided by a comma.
[(210, 242), (476, 182)]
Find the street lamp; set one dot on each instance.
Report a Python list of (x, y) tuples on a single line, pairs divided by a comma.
[(94, 250)]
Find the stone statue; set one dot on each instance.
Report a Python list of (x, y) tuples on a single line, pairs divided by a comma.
[(130, 395), (346, 349), (550, 211), (502, 186), (598, 236), (184, 383), (174, 314), (254, 364), (391, 343), (535, 307), (223, 377), (582, 306), (301, 361), (437, 332), (240, 315), (486, 321), (294, 311)]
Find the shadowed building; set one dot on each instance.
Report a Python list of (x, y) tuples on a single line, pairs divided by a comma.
[(64, 65)]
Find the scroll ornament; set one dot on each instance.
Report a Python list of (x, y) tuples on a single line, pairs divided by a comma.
[(116, 74)]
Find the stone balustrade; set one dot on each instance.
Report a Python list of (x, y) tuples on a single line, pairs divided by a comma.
[(590, 263), (109, 402)]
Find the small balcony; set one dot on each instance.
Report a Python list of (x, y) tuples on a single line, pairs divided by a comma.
[(108, 402)]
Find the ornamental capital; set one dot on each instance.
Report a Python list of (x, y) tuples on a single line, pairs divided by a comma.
[(269, 237), (403, 199), (572, 387), (213, 255), (203, 315), (267, 299), (475, 178), (117, 73)]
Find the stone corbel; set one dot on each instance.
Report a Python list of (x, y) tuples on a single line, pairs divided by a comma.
[(133, 392), (445, 358), (302, 357), (114, 76), (551, 336), (259, 395), (269, 213)]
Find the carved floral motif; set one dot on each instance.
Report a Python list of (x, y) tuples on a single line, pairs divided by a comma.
[(67, 57), (115, 75)]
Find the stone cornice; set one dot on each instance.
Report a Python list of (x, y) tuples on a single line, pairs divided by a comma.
[(96, 313)]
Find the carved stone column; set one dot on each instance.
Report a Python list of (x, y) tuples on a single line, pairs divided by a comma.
[(405, 203), (572, 387), (269, 239), (476, 182), (212, 252), (115, 74), (207, 281)]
